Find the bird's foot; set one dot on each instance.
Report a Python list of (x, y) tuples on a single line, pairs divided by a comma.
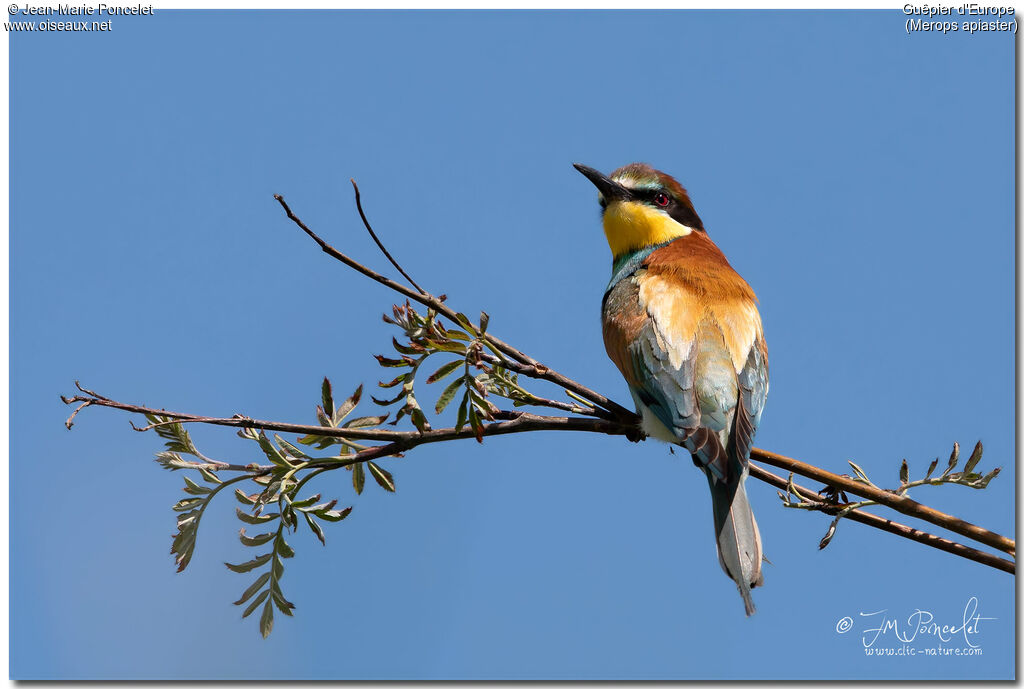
[(635, 434)]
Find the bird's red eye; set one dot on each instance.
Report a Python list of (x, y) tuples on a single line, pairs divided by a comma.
[(661, 199)]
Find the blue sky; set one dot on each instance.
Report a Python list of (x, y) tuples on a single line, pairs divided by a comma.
[(861, 179)]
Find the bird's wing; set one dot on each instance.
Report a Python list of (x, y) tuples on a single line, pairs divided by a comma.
[(700, 367), (753, 388), (655, 354)]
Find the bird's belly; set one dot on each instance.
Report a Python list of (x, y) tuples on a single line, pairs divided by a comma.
[(652, 425)]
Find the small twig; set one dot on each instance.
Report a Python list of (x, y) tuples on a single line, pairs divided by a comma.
[(88, 391), (366, 224), (70, 420), (874, 520)]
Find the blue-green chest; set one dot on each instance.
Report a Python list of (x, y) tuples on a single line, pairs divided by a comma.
[(625, 265)]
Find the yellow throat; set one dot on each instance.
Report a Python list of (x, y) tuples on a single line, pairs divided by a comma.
[(629, 225)]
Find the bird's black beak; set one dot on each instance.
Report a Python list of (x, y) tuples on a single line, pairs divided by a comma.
[(610, 189)]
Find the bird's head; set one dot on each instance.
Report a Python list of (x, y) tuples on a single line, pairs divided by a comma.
[(642, 207)]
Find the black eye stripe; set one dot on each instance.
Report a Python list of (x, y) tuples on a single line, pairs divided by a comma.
[(682, 213)]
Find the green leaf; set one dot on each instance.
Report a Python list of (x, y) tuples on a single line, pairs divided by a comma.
[(285, 550), (448, 346), (484, 320), (475, 424), (256, 518), (449, 394), (267, 620), (192, 488), (178, 439), (392, 383), (209, 476), (464, 322), (382, 476), (323, 506), (390, 363), (445, 370), (348, 405), (173, 461), (384, 403), (255, 604), (334, 515), (366, 421), (283, 605), (827, 538), (460, 421), (254, 587), (187, 504), (327, 397), (358, 478), (259, 561), (419, 420), (305, 502), (290, 449), (983, 482), (272, 452), (501, 357), (273, 486), (247, 433), (316, 529), (483, 407), (184, 541), (954, 457), (412, 349), (253, 541), (457, 335), (243, 498), (321, 441), (187, 517), (860, 472), (975, 458)]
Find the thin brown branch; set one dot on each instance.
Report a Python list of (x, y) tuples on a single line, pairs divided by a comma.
[(870, 519), (366, 224), (523, 422), (396, 442), (542, 372), (899, 503), (71, 419)]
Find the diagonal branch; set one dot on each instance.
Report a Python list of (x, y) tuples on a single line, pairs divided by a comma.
[(432, 302)]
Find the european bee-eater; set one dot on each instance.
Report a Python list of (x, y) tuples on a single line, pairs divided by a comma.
[(683, 328)]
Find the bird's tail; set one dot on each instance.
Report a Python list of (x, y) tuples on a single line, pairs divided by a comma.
[(736, 534)]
